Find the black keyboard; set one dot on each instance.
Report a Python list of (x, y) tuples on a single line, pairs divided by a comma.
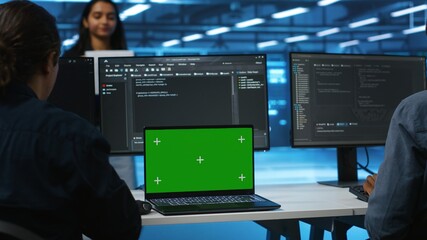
[(359, 192), (205, 200)]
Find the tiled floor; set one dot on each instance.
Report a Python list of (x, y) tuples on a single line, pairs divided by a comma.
[(280, 165)]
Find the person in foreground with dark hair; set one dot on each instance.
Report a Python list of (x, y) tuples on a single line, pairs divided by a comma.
[(397, 206), (100, 29), (55, 179)]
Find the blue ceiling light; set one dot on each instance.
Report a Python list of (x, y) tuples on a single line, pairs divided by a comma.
[(409, 10), (324, 3), (289, 13), (249, 23), (192, 37), (328, 32), (363, 22), (380, 37), (267, 44), (296, 39), (171, 43), (70, 41), (130, 1), (132, 11), (273, 112), (349, 43), (414, 30), (217, 31)]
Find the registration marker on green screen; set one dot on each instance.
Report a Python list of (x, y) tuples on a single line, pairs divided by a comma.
[(198, 159)]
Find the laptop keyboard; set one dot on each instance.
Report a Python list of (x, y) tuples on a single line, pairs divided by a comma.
[(206, 200)]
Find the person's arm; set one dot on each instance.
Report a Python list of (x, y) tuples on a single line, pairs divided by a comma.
[(110, 211), (392, 205), (113, 217)]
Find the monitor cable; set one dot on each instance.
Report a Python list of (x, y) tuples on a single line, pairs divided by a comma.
[(365, 167)]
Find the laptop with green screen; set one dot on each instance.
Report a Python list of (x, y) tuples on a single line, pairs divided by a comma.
[(201, 169)]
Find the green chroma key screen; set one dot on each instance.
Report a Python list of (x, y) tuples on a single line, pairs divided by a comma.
[(202, 159)]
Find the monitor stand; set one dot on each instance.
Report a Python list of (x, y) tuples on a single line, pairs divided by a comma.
[(347, 168)]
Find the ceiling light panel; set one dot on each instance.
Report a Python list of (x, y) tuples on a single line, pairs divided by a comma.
[(325, 3), (289, 13), (349, 43), (409, 10), (217, 31), (363, 22), (380, 37), (249, 23), (328, 32), (296, 39)]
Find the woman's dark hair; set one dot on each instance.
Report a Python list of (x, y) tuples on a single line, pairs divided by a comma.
[(28, 35), (118, 40)]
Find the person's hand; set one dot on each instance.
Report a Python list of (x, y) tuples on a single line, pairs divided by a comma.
[(369, 184)]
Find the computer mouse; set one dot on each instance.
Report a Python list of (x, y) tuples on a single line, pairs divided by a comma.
[(144, 207)]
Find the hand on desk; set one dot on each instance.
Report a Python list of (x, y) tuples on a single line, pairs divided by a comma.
[(369, 184)]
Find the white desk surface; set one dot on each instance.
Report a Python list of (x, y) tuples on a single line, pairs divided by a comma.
[(298, 201)]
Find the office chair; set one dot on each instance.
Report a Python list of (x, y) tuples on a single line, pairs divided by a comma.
[(12, 231)]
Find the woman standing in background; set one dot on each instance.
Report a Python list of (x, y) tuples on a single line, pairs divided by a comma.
[(100, 29)]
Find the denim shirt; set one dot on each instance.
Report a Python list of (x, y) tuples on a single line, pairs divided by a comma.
[(55, 178), (397, 208)]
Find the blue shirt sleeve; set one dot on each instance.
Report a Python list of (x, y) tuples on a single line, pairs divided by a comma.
[(400, 189)]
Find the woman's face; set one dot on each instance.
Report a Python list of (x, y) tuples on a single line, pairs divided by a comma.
[(101, 21)]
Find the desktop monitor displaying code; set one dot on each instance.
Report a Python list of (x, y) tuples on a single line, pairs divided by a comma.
[(344, 99), (138, 92), (198, 159), (347, 101)]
